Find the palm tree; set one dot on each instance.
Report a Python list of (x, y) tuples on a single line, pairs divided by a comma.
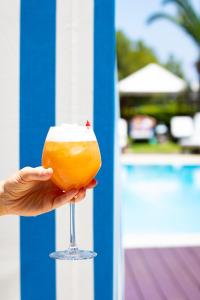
[(187, 19)]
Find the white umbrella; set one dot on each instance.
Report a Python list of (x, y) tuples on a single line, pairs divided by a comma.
[(152, 79)]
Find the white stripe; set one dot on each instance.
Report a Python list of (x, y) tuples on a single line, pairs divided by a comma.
[(9, 137), (74, 103)]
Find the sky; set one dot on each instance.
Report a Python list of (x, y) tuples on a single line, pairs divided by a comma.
[(164, 37)]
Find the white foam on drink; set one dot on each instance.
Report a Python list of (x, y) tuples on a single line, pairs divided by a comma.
[(70, 133)]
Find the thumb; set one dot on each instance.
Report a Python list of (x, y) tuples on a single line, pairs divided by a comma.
[(28, 174)]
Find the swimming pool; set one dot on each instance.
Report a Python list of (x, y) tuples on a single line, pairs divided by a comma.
[(160, 200)]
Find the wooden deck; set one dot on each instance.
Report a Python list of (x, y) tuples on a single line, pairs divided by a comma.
[(162, 274)]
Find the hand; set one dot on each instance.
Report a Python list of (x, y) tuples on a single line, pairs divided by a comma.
[(30, 192)]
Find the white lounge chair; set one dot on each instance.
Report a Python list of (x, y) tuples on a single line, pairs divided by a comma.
[(193, 142), (181, 127)]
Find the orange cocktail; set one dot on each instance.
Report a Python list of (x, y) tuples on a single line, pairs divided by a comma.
[(75, 164), (75, 159)]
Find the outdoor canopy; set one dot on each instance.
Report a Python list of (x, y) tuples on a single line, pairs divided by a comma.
[(152, 79)]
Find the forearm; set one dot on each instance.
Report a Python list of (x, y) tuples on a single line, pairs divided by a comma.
[(2, 208)]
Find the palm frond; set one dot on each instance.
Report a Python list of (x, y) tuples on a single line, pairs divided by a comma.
[(193, 29), (185, 8), (185, 4), (162, 15), (183, 21)]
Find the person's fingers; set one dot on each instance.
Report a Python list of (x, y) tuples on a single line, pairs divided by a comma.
[(77, 197), (81, 195), (28, 174), (64, 198), (92, 184)]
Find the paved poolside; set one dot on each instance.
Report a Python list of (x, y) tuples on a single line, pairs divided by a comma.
[(162, 273)]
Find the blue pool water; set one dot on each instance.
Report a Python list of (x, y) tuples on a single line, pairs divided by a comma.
[(161, 199)]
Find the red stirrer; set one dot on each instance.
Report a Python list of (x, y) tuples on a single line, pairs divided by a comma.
[(88, 125)]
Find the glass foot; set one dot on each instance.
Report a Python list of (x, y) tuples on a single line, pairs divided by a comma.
[(73, 254)]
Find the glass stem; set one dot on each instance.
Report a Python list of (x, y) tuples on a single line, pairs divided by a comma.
[(72, 226)]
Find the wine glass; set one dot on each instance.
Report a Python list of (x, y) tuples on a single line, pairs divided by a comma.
[(73, 153)]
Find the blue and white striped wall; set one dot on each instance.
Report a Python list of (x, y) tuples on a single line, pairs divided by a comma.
[(57, 64)]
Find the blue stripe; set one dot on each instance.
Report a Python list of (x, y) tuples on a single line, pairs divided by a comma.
[(104, 124), (37, 113)]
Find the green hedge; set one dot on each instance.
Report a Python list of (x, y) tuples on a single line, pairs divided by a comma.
[(162, 112)]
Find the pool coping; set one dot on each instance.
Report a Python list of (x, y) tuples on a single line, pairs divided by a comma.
[(160, 240), (160, 159)]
